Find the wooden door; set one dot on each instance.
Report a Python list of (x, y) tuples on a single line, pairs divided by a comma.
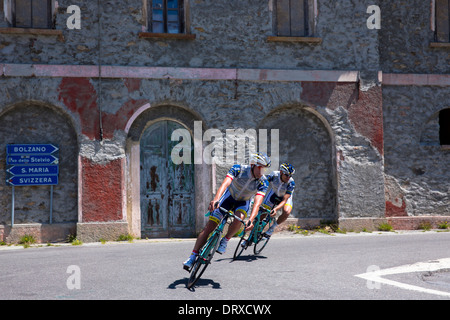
[(167, 189)]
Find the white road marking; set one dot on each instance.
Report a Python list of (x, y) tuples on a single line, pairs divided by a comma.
[(428, 266)]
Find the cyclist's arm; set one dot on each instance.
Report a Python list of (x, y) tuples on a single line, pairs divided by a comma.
[(223, 187), (256, 203)]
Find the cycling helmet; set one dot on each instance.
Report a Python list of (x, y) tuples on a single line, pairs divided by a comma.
[(260, 159), (287, 168)]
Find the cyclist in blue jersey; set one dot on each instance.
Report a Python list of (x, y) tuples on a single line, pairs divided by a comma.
[(239, 186), (280, 194)]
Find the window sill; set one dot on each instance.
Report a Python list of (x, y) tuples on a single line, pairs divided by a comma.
[(312, 40), (177, 36), (28, 31), (440, 45), (445, 147)]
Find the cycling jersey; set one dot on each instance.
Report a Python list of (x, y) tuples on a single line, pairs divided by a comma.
[(279, 187), (244, 185), (242, 188), (278, 190)]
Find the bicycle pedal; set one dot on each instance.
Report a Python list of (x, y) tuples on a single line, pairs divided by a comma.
[(266, 235)]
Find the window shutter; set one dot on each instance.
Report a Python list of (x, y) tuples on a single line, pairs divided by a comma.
[(298, 16), (41, 11), (283, 18), (442, 21), (22, 10)]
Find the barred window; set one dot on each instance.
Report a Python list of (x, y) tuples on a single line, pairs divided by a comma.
[(31, 14), (294, 18), (166, 16)]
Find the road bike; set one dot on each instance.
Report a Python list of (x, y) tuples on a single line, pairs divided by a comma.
[(257, 235), (206, 253)]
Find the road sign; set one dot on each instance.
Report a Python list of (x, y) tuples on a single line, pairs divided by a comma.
[(32, 164), (31, 159), (32, 170), (45, 180), (31, 149)]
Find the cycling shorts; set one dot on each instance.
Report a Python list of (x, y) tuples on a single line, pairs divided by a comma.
[(229, 203), (271, 200)]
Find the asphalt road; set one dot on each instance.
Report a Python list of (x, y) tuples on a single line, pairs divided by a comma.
[(290, 268)]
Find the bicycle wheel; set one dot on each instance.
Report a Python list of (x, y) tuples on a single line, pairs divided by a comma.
[(203, 259), (239, 248), (262, 240)]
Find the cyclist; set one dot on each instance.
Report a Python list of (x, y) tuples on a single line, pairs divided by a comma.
[(280, 195), (240, 184)]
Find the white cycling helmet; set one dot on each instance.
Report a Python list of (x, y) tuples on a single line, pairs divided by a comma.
[(260, 159)]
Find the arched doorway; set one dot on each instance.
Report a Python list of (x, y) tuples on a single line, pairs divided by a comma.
[(167, 189), (34, 122), (305, 140)]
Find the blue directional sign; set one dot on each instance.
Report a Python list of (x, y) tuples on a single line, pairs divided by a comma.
[(33, 170), (32, 180), (32, 164), (31, 159), (31, 149)]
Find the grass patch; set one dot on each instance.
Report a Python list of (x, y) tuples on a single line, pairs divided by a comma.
[(385, 227), (443, 225), (27, 240), (125, 237), (425, 226)]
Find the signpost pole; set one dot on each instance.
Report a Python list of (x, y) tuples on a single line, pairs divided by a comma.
[(12, 208), (51, 203), (32, 165)]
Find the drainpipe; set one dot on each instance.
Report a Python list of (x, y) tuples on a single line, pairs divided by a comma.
[(99, 71)]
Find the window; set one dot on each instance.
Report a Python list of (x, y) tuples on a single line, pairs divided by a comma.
[(30, 13), (442, 21), (294, 18), (166, 16), (444, 127)]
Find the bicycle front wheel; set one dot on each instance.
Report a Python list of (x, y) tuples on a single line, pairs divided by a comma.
[(203, 259), (262, 240), (260, 244), (240, 248)]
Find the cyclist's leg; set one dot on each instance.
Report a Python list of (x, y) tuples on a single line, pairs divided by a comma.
[(214, 219), (287, 209), (203, 236), (268, 202), (201, 240), (236, 225), (241, 212), (273, 201)]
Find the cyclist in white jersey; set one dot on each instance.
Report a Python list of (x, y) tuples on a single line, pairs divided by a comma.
[(280, 195), (239, 186)]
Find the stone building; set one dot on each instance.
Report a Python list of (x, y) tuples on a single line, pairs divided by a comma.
[(354, 94)]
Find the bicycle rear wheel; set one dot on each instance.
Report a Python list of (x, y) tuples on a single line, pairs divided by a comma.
[(203, 259)]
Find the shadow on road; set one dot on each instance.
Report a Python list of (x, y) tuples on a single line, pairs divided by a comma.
[(200, 283), (249, 258)]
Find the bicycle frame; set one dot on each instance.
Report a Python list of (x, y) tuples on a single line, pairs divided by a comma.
[(260, 224), (256, 234), (206, 253)]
